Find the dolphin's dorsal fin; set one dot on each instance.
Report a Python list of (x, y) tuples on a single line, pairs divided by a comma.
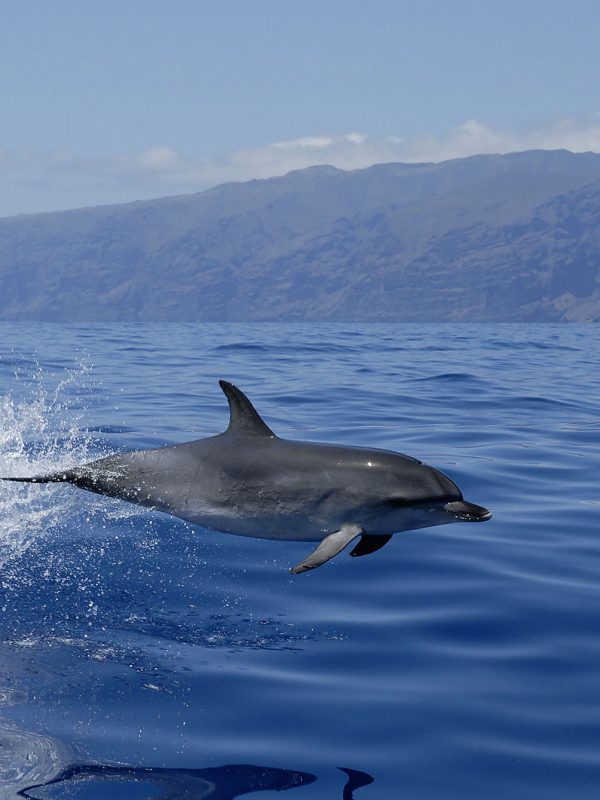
[(244, 419)]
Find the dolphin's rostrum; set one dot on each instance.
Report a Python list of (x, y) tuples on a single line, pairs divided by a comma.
[(247, 481)]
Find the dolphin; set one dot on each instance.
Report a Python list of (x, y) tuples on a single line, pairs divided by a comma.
[(249, 482)]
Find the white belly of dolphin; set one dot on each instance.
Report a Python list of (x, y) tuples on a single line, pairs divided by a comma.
[(281, 528), (309, 527)]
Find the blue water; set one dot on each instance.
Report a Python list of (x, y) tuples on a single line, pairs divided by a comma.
[(143, 657)]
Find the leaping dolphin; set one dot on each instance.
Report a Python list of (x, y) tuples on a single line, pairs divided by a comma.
[(247, 481)]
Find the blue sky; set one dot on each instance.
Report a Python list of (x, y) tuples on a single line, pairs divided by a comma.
[(106, 101)]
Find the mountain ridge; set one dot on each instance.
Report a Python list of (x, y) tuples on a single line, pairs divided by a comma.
[(490, 237)]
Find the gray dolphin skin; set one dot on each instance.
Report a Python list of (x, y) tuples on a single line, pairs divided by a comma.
[(249, 482)]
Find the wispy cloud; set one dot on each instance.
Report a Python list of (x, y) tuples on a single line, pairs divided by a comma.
[(162, 170), (352, 151)]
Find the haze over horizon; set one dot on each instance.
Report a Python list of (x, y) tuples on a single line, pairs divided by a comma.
[(109, 103)]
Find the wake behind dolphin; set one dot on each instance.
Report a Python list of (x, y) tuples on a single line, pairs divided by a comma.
[(249, 482)]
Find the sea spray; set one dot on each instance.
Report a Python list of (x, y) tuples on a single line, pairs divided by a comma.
[(27, 758), (39, 431)]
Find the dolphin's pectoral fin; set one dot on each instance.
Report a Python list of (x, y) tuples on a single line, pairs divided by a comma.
[(370, 544), (329, 547)]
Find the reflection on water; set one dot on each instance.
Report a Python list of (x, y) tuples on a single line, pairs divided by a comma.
[(356, 779), (218, 783)]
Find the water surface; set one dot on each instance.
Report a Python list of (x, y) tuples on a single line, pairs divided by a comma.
[(145, 657)]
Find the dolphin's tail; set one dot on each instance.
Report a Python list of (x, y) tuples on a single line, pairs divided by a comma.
[(53, 477)]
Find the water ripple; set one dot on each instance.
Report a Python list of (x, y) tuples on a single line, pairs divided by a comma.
[(456, 662)]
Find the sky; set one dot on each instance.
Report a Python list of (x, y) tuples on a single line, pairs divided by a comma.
[(109, 101)]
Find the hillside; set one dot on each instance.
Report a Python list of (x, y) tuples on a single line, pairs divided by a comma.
[(512, 237)]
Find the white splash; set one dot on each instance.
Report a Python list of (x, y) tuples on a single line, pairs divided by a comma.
[(27, 758), (38, 433)]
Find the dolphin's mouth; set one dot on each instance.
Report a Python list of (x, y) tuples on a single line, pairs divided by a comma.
[(468, 512)]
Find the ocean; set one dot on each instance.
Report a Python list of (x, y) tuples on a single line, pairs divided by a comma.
[(142, 657)]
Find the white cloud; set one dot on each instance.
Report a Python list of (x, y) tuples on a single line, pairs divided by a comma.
[(159, 159), (72, 180), (12, 160), (309, 142), (350, 151)]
